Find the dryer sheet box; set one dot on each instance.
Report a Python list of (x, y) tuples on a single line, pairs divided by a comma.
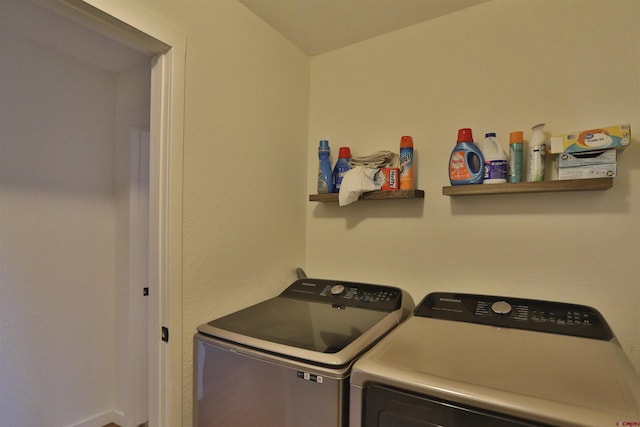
[(607, 170), (618, 137), (587, 158), (587, 164)]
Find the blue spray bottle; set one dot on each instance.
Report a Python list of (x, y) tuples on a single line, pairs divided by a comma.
[(325, 177)]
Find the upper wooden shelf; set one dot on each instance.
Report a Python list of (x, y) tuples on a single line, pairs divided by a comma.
[(529, 187), (371, 195)]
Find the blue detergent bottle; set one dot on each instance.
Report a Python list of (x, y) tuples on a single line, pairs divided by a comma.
[(466, 163), (342, 167), (325, 177)]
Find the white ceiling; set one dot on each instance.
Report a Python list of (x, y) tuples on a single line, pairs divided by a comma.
[(315, 26), (319, 26)]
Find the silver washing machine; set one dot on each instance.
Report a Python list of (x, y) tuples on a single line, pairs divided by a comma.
[(285, 362), (476, 360)]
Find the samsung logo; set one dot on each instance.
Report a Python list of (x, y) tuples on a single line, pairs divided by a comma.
[(450, 300)]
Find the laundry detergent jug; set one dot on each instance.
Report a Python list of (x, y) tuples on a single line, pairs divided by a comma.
[(466, 163)]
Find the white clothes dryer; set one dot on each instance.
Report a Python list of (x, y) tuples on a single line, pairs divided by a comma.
[(474, 360)]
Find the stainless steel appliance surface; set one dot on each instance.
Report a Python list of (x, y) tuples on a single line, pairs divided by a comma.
[(476, 360), (286, 361)]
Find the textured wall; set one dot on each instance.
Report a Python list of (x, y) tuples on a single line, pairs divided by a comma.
[(246, 111), (500, 66)]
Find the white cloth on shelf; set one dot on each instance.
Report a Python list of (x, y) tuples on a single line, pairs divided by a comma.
[(379, 159), (355, 182)]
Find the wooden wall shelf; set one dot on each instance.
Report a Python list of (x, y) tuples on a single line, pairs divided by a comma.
[(372, 195), (529, 187)]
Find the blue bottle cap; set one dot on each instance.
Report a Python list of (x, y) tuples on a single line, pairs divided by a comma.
[(324, 144)]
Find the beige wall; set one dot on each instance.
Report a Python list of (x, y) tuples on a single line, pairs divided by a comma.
[(501, 66), (58, 213), (246, 112)]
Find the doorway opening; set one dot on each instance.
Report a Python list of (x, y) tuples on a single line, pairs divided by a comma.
[(72, 305)]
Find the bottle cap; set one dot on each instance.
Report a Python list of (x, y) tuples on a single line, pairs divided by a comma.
[(515, 137), (406, 141), (345, 153), (490, 135), (324, 143), (465, 135)]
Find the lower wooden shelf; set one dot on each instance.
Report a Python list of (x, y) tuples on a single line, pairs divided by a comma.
[(529, 187), (372, 195)]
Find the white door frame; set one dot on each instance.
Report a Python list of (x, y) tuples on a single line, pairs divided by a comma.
[(135, 403), (138, 28)]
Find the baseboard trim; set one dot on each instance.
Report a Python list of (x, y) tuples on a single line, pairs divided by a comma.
[(100, 420), (116, 425), (110, 418)]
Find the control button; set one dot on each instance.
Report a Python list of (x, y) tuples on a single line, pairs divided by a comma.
[(501, 308), (337, 289)]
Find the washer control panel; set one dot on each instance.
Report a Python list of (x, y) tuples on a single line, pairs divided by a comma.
[(346, 294), (519, 313)]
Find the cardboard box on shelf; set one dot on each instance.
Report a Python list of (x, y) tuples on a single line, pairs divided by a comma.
[(586, 158), (390, 178), (607, 170), (617, 137)]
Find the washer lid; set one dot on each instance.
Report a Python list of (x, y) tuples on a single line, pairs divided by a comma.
[(314, 320)]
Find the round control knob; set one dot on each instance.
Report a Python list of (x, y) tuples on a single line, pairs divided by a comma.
[(337, 289), (501, 308)]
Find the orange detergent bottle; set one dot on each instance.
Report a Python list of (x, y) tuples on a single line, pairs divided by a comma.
[(466, 160)]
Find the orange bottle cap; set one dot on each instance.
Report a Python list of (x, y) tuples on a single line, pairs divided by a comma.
[(515, 137), (406, 141)]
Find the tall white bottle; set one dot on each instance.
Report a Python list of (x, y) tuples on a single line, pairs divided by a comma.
[(537, 154), (495, 160)]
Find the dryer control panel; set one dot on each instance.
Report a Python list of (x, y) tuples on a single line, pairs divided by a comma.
[(519, 313), (347, 294)]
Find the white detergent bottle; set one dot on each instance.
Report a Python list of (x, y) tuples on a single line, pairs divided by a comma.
[(495, 160)]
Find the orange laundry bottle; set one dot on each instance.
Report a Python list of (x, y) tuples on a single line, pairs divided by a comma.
[(406, 163)]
